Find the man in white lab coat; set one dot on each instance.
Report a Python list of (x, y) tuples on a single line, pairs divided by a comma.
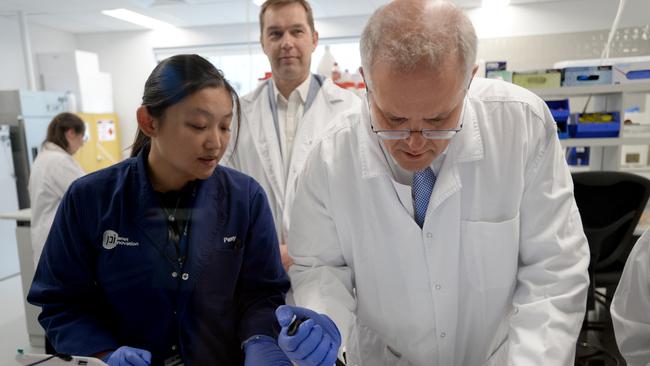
[(440, 228), (284, 117), (631, 305)]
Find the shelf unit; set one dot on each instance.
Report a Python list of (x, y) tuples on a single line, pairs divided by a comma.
[(572, 91), (604, 153)]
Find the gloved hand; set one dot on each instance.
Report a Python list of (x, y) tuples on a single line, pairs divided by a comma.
[(128, 356), (315, 343), (263, 350)]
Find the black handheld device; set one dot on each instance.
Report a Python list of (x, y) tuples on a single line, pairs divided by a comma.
[(293, 328)]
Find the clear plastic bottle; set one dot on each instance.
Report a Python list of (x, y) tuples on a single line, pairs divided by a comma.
[(70, 102), (336, 73), (326, 63)]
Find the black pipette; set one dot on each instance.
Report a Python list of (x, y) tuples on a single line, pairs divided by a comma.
[(293, 328)]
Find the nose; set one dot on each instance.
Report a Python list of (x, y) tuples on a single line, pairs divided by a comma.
[(416, 141), (214, 139), (287, 41)]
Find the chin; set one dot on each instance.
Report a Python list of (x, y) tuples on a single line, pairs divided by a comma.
[(414, 165), (204, 174)]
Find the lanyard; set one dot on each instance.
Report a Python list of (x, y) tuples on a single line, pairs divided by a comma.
[(314, 87), (180, 242), (180, 238)]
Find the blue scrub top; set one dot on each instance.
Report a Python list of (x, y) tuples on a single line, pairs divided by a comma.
[(109, 276)]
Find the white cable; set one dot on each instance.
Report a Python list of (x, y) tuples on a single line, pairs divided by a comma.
[(608, 45), (605, 55), (248, 44)]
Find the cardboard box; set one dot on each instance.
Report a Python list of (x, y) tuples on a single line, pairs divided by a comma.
[(634, 156), (581, 76), (539, 79)]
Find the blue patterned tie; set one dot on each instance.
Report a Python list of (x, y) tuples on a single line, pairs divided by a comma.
[(423, 182)]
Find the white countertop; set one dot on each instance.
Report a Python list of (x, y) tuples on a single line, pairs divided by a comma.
[(22, 215)]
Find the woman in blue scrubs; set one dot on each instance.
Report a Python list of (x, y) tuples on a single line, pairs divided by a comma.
[(167, 258)]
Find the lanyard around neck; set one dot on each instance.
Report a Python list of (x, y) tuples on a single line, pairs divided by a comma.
[(178, 237)]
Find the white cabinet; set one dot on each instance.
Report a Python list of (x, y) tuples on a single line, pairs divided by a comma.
[(605, 153), (78, 72)]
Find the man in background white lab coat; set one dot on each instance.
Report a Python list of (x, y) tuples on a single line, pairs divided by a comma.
[(284, 117), (631, 305), (52, 173), (440, 228)]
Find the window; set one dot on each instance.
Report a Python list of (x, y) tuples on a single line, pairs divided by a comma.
[(244, 65)]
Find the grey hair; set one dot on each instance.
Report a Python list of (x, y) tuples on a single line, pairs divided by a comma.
[(405, 33)]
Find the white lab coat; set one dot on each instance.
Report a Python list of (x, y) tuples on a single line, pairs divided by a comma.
[(496, 276), (258, 151), (631, 306), (52, 172)]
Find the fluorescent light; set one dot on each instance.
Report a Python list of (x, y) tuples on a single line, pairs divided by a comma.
[(259, 2), (495, 3), (137, 18)]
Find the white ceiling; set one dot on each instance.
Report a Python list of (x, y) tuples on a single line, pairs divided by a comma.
[(84, 16)]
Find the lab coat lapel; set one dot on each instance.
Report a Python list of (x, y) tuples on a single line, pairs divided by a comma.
[(267, 146), (466, 147), (372, 160), (312, 125)]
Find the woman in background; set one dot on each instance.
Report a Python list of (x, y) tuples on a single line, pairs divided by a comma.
[(52, 173), (167, 258)]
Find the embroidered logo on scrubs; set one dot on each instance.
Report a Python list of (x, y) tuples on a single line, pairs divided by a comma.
[(111, 239), (232, 241)]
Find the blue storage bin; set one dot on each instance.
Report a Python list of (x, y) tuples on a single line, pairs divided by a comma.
[(577, 156), (593, 75), (560, 111), (595, 129)]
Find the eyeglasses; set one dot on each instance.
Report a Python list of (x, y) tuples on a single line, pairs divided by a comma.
[(429, 134)]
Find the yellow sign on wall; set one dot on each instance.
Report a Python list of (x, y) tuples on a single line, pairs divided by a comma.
[(102, 148)]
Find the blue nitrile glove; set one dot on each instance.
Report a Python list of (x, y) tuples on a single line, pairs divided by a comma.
[(316, 341), (263, 350), (128, 356)]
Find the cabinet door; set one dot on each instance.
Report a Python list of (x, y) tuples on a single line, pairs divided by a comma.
[(8, 203), (102, 149)]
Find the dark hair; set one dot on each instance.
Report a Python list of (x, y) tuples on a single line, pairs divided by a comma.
[(279, 3), (172, 80), (60, 124)]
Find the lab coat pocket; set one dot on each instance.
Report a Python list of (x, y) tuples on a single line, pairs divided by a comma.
[(499, 356), (366, 348), (490, 253), (392, 357)]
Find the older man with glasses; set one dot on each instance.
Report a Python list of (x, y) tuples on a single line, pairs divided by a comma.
[(440, 228)]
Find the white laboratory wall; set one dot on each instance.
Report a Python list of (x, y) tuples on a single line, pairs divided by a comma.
[(564, 16), (43, 39), (128, 57)]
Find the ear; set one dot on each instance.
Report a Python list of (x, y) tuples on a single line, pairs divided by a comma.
[(147, 124), (315, 39), (363, 76), (70, 134)]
